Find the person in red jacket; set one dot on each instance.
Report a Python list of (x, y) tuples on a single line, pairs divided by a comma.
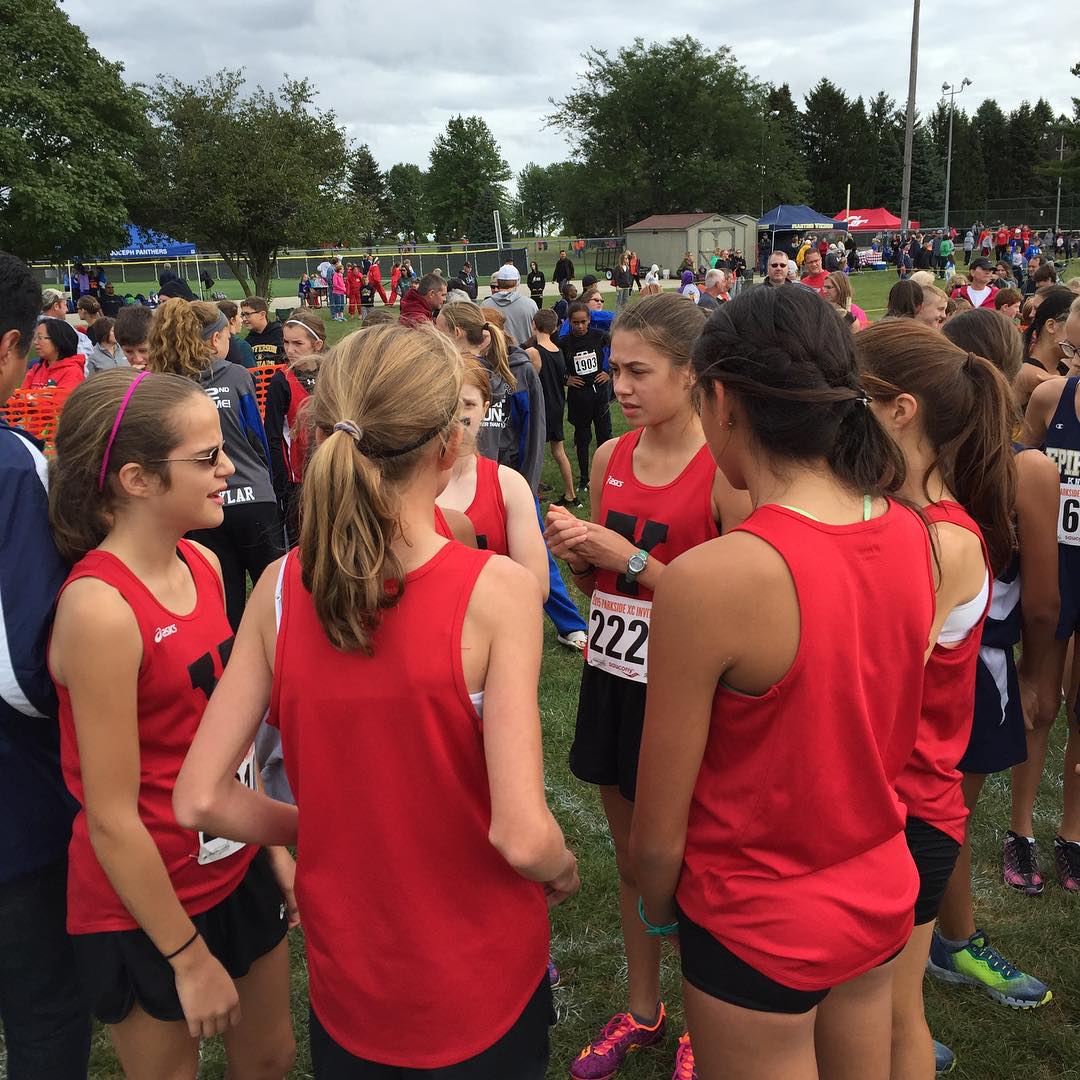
[(980, 293), (58, 363), (774, 846), (421, 305), (395, 279), (353, 280), (374, 279), (950, 412), (376, 615)]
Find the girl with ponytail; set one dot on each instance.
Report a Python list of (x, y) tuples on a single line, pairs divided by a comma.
[(1044, 356), (178, 934), (192, 339), (411, 662), (780, 707), (952, 415)]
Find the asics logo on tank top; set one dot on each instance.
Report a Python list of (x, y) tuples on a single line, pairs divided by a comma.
[(652, 533), (613, 482), (162, 632)]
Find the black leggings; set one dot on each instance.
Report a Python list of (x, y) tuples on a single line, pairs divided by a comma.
[(250, 537), (588, 409)]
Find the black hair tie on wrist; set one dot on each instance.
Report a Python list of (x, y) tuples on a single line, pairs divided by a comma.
[(190, 941)]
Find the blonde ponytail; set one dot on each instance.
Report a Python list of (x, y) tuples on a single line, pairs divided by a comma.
[(383, 395)]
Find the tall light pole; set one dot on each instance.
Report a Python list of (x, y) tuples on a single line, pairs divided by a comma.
[(952, 92), (1057, 209), (909, 129), (766, 112)]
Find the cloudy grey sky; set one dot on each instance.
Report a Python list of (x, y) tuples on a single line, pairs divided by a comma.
[(395, 72)]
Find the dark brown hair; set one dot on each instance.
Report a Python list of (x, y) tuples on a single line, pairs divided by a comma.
[(256, 303), (905, 299), (1005, 297), (967, 414), (80, 514), (133, 325), (990, 334), (791, 363)]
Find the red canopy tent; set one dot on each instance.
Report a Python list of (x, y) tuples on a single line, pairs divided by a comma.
[(878, 220)]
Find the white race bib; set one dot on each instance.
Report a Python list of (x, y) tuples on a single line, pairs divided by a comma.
[(1069, 515), (619, 635), (214, 848), (586, 363)]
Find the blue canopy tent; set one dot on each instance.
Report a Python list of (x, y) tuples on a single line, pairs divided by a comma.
[(789, 218), (146, 244)]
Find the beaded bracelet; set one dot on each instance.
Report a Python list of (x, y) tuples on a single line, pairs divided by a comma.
[(651, 928)]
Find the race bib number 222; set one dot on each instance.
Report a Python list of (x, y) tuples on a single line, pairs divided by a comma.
[(619, 635)]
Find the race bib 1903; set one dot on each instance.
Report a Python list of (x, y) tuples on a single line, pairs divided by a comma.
[(586, 363), (214, 848), (619, 635), (1069, 515)]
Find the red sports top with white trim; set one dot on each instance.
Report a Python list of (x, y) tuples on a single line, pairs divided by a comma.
[(665, 521), (795, 856), (294, 437), (487, 511), (929, 784), (182, 658), (413, 921)]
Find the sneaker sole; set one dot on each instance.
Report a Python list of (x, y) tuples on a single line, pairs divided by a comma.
[(956, 979), (1026, 890)]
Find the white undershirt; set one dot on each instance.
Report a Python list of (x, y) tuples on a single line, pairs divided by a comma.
[(977, 296)]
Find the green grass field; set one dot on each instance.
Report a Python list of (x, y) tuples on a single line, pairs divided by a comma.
[(991, 1042)]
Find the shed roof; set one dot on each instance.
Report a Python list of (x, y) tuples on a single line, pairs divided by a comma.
[(670, 221)]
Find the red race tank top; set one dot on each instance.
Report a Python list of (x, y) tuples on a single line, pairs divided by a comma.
[(929, 784), (665, 521), (413, 921), (442, 526), (795, 856), (295, 435), (487, 511), (183, 657)]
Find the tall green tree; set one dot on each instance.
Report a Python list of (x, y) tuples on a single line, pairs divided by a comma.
[(537, 196), (245, 174), (661, 128), (783, 167), (884, 152), (828, 137), (991, 125), (367, 189), (69, 131), (465, 178), (927, 177), (407, 214)]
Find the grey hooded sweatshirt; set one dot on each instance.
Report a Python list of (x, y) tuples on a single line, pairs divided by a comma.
[(518, 310)]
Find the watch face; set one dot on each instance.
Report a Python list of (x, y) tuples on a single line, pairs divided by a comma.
[(637, 562)]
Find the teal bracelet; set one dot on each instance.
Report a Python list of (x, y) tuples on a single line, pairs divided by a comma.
[(651, 928)]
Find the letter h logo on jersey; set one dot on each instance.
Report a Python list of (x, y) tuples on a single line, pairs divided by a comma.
[(652, 533), (205, 673)]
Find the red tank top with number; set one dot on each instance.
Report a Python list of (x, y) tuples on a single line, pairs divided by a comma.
[(182, 659), (413, 921), (665, 521), (929, 784), (487, 511), (795, 854)]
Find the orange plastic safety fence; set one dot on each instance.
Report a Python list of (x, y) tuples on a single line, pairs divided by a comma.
[(35, 411)]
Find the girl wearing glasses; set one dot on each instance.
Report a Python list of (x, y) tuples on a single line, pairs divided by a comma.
[(192, 339), (178, 934), (1048, 349)]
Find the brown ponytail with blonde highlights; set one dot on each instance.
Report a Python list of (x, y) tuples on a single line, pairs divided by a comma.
[(383, 396), (967, 414), (473, 324)]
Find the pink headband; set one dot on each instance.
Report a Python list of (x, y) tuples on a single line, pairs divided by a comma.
[(116, 427)]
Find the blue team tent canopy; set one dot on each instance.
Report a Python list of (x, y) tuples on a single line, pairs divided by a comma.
[(147, 244), (789, 218)]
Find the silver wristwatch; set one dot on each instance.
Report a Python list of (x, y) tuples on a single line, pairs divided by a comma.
[(636, 565)]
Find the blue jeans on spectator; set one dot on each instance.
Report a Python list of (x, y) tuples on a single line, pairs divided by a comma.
[(560, 609), (45, 1015)]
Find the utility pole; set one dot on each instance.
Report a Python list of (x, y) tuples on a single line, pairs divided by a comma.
[(953, 93), (1057, 209), (909, 130)]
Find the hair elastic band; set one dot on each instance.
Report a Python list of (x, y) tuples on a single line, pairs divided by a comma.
[(864, 399), (208, 332), (116, 427), (300, 322), (350, 428)]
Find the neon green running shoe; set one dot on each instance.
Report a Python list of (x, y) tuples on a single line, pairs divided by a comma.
[(980, 965)]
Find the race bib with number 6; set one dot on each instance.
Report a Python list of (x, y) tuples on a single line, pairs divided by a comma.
[(1069, 515), (619, 635), (214, 848)]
